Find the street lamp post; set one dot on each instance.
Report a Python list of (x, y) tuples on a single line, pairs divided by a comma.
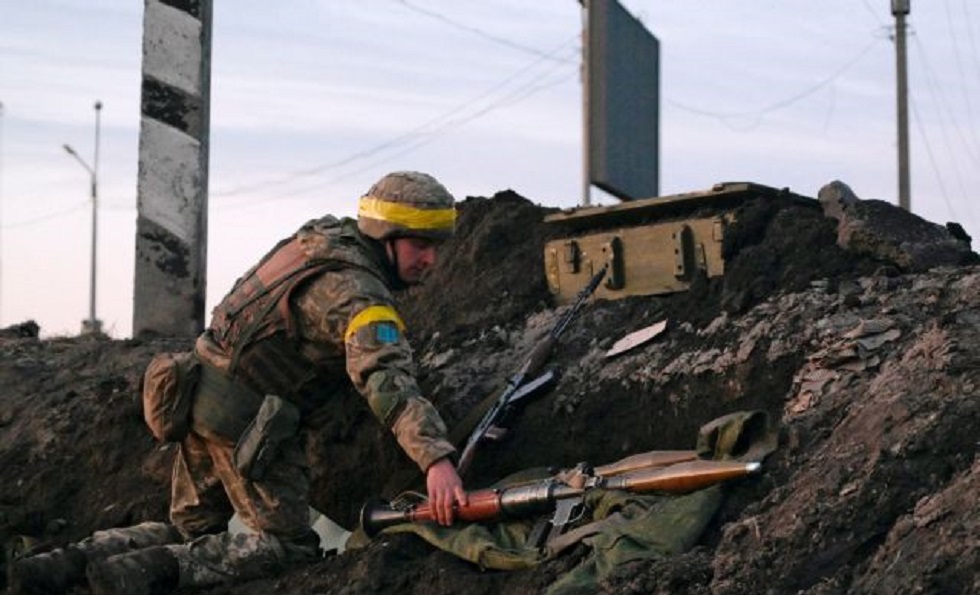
[(93, 324)]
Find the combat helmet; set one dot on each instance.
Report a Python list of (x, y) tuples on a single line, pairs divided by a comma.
[(407, 204)]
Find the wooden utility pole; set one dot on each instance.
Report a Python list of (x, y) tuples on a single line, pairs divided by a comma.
[(900, 8)]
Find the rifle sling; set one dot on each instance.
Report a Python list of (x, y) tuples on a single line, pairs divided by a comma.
[(558, 544)]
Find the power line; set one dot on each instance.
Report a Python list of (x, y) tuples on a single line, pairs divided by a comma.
[(758, 114), (433, 127), (417, 142), (406, 137), (476, 31), (946, 140), (517, 96), (968, 20), (47, 217), (943, 105), (932, 159), (874, 13), (410, 137), (964, 87)]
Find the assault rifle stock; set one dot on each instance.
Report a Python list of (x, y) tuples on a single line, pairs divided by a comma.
[(551, 494), (519, 385)]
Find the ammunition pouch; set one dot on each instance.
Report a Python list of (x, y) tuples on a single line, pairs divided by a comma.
[(257, 424), (222, 406), (169, 383), (259, 445)]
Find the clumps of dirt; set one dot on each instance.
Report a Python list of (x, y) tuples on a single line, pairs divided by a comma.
[(74, 454), (489, 272), (774, 245), (24, 330), (869, 371)]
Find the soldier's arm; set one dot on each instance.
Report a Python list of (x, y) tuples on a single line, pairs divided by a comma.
[(357, 312), (379, 363)]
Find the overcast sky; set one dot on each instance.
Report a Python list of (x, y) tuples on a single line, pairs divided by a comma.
[(313, 101)]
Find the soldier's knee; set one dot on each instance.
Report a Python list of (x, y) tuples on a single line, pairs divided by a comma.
[(189, 531), (303, 547)]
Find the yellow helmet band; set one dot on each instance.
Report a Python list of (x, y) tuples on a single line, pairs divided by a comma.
[(406, 215)]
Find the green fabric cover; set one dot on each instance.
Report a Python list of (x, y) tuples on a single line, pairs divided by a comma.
[(647, 526)]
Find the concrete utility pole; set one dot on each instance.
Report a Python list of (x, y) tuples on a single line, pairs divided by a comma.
[(1, 214), (93, 324), (172, 188), (900, 8)]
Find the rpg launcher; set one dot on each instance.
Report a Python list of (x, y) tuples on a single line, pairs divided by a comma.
[(564, 497), (527, 381)]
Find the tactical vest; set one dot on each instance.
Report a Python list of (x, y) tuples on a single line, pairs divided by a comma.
[(256, 326)]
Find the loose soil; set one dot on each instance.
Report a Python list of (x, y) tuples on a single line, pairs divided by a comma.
[(870, 371)]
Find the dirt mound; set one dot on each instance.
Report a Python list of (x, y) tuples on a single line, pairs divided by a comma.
[(490, 271), (869, 367)]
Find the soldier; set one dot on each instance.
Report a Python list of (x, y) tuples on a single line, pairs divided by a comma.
[(316, 311)]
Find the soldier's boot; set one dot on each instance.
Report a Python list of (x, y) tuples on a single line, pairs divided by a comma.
[(56, 571), (150, 571), (59, 570)]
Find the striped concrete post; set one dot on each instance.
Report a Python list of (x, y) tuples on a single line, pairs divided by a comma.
[(172, 188)]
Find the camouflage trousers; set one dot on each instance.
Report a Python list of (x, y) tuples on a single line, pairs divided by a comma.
[(207, 490), (108, 542), (206, 561)]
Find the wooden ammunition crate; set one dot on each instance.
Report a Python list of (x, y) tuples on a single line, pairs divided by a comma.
[(652, 246)]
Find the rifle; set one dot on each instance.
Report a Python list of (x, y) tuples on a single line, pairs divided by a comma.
[(518, 386), (550, 494)]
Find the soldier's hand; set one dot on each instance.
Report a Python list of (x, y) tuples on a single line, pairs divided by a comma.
[(445, 490)]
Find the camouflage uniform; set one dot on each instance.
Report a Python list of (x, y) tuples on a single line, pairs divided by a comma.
[(60, 570), (346, 328), (313, 317)]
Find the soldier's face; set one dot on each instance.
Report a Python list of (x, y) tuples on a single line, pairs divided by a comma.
[(415, 256)]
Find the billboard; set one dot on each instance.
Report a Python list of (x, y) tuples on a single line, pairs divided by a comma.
[(622, 102)]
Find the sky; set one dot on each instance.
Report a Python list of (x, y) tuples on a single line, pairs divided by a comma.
[(313, 101)]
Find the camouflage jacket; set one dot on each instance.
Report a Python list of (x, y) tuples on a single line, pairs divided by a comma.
[(317, 315)]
